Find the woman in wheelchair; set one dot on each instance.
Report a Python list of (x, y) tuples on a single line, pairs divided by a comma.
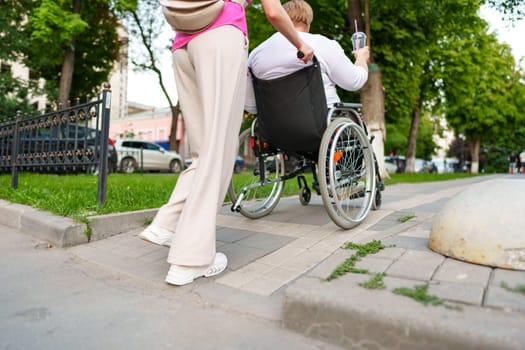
[(300, 117)]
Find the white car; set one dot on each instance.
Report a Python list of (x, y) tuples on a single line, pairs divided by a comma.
[(390, 166), (446, 165), (144, 155)]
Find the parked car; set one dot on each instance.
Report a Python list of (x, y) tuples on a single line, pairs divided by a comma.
[(144, 155), (91, 135), (446, 165), (68, 137), (424, 166), (390, 166), (398, 161)]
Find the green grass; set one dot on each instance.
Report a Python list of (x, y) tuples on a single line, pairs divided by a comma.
[(376, 282), (406, 218), (420, 294), (362, 250), (520, 288), (76, 195)]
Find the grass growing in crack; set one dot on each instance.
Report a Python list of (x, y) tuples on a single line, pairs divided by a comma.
[(365, 249), (362, 250), (406, 218), (420, 294), (518, 289), (376, 282)]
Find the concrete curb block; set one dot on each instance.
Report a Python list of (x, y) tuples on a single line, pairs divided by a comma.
[(104, 226), (61, 231), (58, 230), (355, 317), (12, 214), (65, 232)]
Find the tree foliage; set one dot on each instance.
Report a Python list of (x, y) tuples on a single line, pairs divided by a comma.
[(13, 91), (476, 82), (511, 9), (54, 27), (12, 39), (14, 96)]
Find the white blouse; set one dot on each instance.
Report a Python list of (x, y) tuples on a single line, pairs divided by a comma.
[(277, 57)]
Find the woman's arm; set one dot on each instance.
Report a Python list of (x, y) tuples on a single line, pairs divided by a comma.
[(278, 17)]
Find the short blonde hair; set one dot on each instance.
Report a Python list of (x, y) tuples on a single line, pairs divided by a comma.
[(299, 11)]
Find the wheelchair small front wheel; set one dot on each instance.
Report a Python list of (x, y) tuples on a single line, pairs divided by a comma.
[(346, 173), (380, 186), (259, 197), (305, 196), (378, 199)]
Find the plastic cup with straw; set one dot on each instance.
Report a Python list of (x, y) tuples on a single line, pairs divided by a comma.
[(358, 38)]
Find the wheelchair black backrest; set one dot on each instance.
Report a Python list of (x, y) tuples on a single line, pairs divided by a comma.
[(291, 110)]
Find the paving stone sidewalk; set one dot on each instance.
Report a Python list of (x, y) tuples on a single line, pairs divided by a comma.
[(277, 267)]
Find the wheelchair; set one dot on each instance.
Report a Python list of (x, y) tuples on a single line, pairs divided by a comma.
[(294, 133)]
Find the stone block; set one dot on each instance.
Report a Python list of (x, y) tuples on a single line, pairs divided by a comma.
[(458, 292), (505, 299), (419, 265), (462, 272), (104, 226)]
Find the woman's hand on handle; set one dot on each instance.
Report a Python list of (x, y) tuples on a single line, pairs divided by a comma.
[(305, 53)]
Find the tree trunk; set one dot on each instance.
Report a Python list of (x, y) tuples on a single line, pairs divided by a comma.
[(354, 15), (474, 146), (175, 111), (68, 67), (373, 100), (372, 94), (66, 75), (412, 137)]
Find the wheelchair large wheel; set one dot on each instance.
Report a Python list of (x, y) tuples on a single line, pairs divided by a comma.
[(252, 196), (346, 173)]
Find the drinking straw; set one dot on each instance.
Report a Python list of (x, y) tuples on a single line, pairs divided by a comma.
[(355, 23)]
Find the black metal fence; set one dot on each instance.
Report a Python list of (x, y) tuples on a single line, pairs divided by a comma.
[(70, 140)]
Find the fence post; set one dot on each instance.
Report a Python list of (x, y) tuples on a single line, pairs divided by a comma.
[(103, 161), (14, 152)]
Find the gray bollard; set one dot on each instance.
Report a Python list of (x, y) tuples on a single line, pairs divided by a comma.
[(484, 224)]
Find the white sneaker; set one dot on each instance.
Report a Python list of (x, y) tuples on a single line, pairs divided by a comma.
[(156, 235), (181, 275)]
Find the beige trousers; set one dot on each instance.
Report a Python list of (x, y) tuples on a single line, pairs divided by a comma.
[(210, 73)]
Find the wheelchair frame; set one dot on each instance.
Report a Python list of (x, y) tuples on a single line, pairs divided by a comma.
[(345, 172)]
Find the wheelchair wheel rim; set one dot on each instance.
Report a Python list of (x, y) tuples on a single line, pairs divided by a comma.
[(349, 188)]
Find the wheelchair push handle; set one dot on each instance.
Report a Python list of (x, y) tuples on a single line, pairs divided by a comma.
[(300, 56)]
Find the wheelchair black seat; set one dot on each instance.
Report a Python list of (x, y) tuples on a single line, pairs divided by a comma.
[(291, 110)]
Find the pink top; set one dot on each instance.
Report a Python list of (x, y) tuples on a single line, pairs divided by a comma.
[(232, 14)]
